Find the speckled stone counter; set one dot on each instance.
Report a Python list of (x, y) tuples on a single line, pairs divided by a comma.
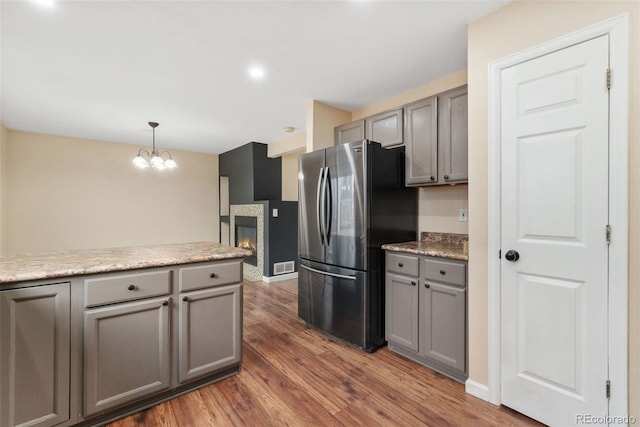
[(442, 245), (46, 265)]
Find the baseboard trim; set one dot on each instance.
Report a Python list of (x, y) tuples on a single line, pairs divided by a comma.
[(476, 389), (280, 277)]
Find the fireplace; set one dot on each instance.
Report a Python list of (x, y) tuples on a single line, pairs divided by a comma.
[(246, 232)]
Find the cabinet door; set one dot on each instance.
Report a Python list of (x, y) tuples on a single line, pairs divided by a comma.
[(34, 355), (421, 142), (402, 311), (210, 331), (453, 135), (442, 324), (385, 128), (350, 132), (127, 353)]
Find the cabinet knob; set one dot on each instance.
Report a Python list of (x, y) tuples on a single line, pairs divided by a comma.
[(413, 283), (433, 178), (213, 275), (443, 272), (426, 285), (400, 264), (165, 303), (132, 287), (185, 298), (446, 177)]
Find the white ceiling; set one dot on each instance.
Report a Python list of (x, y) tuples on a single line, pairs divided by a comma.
[(103, 69)]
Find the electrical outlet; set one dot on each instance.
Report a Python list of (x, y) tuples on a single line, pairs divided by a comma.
[(275, 213), (464, 215)]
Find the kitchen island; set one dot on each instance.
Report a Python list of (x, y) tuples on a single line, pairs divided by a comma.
[(92, 335)]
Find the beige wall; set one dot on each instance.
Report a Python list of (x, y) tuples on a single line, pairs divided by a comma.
[(321, 121), (3, 138), (290, 176), (291, 143), (508, 30), (65, 193)]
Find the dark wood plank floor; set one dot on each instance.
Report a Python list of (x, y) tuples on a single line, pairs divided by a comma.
[(296, 376)]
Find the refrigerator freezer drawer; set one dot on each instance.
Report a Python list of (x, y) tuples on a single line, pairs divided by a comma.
[(334, 300)]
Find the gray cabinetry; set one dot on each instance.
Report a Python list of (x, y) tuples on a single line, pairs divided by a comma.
[(426, 311), (385, 128), (350, 132), (453, 135), (35, 355), (436, 139), (210, 318), (442, 324), (421, 142), (127, 353), (209, 331), (402, 325)]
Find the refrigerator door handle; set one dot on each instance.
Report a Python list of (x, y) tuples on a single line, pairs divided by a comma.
[(320, 207), (329, 203), (340, 276)]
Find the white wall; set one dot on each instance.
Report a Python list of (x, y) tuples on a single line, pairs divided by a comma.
[(66, 193)]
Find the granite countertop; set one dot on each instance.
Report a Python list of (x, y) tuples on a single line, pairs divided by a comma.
[(442, 245), (47, 265)]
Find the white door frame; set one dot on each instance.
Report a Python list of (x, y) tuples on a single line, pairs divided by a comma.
[(617, 28)]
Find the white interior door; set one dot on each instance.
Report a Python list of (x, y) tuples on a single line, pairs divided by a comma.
[(554, 193)]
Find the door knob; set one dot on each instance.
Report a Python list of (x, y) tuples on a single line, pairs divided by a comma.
[(512, 255)]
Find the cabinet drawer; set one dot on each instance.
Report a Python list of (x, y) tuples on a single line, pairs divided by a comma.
[(206, 276), (444, 271), (126, 287), (402, 264)]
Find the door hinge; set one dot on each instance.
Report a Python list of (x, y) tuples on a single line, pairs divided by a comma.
[(608, 234), (608, 389), (608, 78)]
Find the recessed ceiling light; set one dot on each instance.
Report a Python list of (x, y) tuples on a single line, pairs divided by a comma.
[(256, 72), (289, 129), (44, 3)]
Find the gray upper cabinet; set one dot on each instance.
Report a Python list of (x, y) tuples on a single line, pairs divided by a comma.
[(350, 132), (127, 353), (421, 142), (453, 135), (35, 355), (209, 331), (386, 128)]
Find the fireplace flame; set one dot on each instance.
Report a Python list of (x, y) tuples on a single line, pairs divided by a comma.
[(247, 244)]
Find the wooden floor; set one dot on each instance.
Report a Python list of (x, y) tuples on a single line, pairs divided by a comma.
[(296, 376)]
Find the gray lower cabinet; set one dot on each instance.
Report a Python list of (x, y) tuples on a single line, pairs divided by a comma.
[(35, 355), (127, 353), (209, 330), (402, 325), (426, 311), (91, 348)]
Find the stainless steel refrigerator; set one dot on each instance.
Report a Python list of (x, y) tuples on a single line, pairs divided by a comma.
[(351, 200)]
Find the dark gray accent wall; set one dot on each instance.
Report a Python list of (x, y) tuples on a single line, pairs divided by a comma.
[(281, 234), (252, 175)]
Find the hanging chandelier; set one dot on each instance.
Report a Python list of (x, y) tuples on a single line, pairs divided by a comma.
[(156, 159)]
